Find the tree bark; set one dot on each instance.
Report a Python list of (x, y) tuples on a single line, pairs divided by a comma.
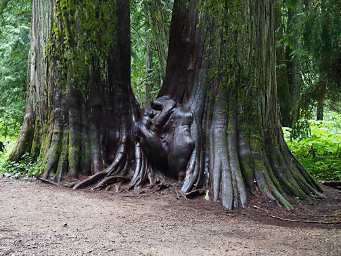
[(80, 106), (320, 106), (36, 98), (215, 125), (223, 72)]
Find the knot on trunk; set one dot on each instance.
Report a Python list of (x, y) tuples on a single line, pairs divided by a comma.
[(165, 135)]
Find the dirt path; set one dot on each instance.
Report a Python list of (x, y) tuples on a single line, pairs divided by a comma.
[(37, 219)]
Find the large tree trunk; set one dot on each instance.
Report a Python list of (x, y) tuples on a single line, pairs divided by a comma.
[(215, 125), (221, 68), (81, 115), (80, 107)]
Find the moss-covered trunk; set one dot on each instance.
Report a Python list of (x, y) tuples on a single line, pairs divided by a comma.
[(80, 107), (215, 125), (221, 68), (81, 115), (36, 99)]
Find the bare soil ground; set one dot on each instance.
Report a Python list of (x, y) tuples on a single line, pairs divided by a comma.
[(37, 219)]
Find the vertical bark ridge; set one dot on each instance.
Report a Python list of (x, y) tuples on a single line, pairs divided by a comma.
[(35, 113), (80, 106)]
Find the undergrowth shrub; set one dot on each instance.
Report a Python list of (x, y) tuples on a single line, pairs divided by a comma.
[(320, 152), (25, 167)]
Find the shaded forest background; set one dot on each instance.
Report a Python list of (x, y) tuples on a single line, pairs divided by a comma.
[(308, 48)]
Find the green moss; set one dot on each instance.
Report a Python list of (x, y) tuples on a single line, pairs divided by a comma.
[(64, 153), (74, 152), (73, 48), (86, 154), (36, 142)]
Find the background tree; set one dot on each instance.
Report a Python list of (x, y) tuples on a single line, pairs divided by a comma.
[(322, 38), (308, 41), (150, 32), (288, 32)]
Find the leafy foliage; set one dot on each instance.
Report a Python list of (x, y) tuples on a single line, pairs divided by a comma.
[(25, 167), (14, 46), (314, 38), (320, 153), (149, 31)]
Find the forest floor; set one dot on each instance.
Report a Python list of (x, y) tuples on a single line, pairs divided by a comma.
[(38, 219)]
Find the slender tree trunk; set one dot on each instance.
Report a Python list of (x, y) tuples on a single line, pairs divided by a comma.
[(325, 61), (149, 81), (281, 69), (149, 73), (288, 71), (293, 66), (320, 110), (321, 96)]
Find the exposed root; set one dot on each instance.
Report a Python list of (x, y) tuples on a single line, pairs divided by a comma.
[(48, 181), (106, 176), (118, 171), (91, 180), (180, 194), (192, 173), (109, 180), (141, 168), (191, 194)]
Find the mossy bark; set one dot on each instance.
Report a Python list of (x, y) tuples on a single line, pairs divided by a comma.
[(222, 67), (36, 100), (218, 104), (80, 107)]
